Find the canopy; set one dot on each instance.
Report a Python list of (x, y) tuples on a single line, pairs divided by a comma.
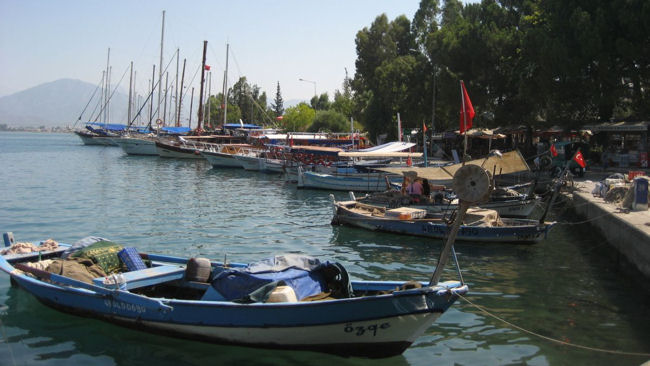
[(390, 147), (510, 162), (378, 154)]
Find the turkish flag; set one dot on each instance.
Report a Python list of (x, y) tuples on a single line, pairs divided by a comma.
[(466, 110), (207, 67), (580, 159), (553, 150)]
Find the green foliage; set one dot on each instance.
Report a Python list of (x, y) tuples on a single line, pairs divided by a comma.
[(329, 121), (251, 103), (532, 62), (321, 103), (298, 118), (277, 105)]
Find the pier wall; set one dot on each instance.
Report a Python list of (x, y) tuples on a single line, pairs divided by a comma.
[(629, 233)]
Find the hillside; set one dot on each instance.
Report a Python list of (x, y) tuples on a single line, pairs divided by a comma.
[(57, 103)]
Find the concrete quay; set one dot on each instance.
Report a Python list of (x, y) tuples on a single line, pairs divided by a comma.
[(626, 231)]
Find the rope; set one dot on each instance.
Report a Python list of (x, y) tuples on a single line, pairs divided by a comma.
[(564, 343)]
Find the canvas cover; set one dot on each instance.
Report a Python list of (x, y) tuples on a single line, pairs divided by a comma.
[(510, 162), (307, 276)]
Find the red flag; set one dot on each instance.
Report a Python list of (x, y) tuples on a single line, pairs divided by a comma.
[(424, 128), (207, 67), (553, 150), (579, 159), (466, 114)]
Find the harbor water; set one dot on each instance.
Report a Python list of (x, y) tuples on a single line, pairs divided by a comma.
[(567, 287)]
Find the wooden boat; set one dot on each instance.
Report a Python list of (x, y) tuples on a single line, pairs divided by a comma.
[(479, 224), (225, 155), (352, 318), (506, 205)]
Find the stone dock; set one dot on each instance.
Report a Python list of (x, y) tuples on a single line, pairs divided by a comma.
[(626, 231)]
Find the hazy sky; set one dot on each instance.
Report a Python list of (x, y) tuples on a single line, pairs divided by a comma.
[(270, 41)]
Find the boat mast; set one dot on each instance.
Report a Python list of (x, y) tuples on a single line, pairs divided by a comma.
[(207, 104), (225, 88), (164, 115), (176, 91), (153, 89), (198, 127), (162, 38), (180, 100), (106, 86), (130, 94), (191, 105)]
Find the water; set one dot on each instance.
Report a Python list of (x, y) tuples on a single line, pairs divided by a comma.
[(52, 186)]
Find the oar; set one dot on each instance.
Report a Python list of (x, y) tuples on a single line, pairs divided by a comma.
[(155, 304)]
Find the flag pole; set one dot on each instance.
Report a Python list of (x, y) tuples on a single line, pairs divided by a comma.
[(424, 144), (464, 112), (399, 128)]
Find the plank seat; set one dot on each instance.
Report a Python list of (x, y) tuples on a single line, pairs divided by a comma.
[(147, 277)]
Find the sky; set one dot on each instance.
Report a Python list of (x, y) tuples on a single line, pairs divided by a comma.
[(270, 41)]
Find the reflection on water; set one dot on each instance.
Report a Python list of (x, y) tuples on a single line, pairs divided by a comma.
[(565, 287)]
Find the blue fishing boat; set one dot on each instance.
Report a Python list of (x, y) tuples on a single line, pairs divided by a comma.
[(286, 302), (479, 225)]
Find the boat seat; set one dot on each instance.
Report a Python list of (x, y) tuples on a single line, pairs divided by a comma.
[(148, 276)]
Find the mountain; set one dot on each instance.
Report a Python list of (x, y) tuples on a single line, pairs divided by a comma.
[(57, 103)]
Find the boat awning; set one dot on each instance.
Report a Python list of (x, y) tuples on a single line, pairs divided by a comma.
[(316, 150), (390, 147), (248, 126), (107, 126), (379, 154), (176, 130), (510, 162)]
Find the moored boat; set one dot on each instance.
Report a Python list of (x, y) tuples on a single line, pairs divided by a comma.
[(315, 307), (480, 225)]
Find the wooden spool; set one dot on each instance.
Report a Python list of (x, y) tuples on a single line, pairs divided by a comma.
[(472, 184)]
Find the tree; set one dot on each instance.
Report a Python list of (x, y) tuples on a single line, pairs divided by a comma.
[(343, 100), (298, 118), (328, 121), (277, 105), (250, 101), (321, 102)]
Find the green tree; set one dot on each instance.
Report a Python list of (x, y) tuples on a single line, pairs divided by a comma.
[(250, 100), (343, 100), (328, 121), (277, 105), (320, 103), (298, 118)]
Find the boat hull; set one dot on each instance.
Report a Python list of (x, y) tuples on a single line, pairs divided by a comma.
[(90, 139), (375, 326), (137, 146), (370, 182), (221, 160), (171, 151), (514, 230)]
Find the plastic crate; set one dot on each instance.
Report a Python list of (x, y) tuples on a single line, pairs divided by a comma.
[(131, 258)]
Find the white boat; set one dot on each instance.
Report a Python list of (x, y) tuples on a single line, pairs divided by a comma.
[(360, 182), (137, 145), (224, 156), (248, 162)]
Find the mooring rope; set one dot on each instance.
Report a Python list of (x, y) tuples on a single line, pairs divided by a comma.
[(564, 343)]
